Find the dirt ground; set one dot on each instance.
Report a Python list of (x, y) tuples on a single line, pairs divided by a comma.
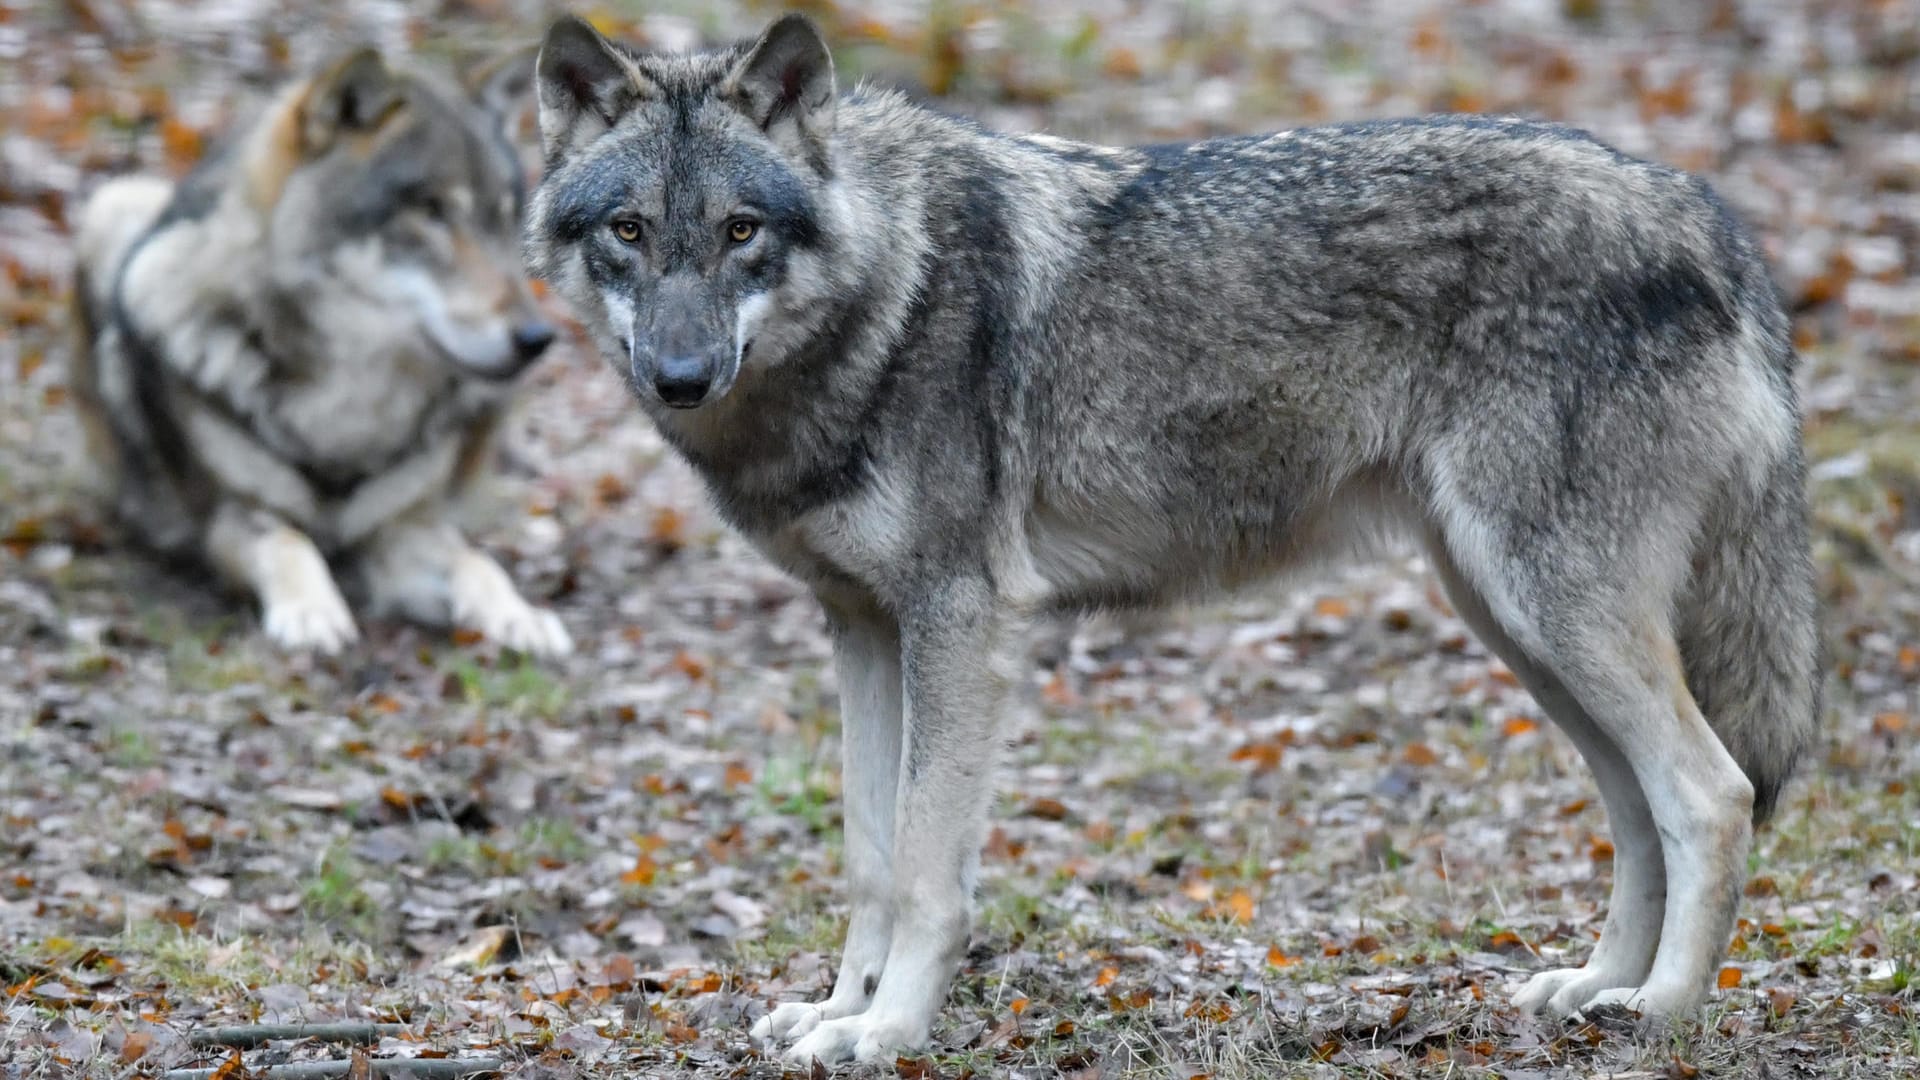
[(1314, 831)]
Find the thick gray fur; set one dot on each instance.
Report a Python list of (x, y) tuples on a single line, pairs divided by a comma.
[(298, 354), (955, 379)]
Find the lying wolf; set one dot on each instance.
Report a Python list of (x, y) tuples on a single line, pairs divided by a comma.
[(954, 379), (300, 352)]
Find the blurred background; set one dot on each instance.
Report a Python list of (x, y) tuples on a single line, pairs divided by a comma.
[(1259, 829)]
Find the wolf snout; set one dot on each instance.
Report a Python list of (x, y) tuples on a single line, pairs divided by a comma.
[(530, 339), (683, 381)]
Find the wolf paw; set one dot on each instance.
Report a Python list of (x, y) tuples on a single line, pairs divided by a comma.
[(526, 628), (1649, 1001), (1560, 992), (857, 1038), (319, 621), (791, 1020), (484, 599)]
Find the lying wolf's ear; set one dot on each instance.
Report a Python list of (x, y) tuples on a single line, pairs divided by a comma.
[(585, 84), (785, 85), (501, 85), (357, 93)]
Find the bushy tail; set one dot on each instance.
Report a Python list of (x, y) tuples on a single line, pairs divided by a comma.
[(1749, 633)]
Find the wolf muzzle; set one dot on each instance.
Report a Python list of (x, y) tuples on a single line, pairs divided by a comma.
[(682, 381)]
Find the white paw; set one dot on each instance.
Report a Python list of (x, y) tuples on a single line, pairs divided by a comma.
[(485, 600), (315, 619), (791, 1020), (1543, 991), (522, 627), (865, 1037), (1649, 1001)]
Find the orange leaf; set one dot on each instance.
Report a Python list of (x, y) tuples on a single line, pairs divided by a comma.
[(1214, 1011), (1122, 64), (668, 528), (1238, 906), (642, 872), (136, 1046), (1276, 958), (231, 1069), (1420, 754), (1332, 607), (619, 971), (1729, 978), (183, 142), (1519, 725), (1047, 809), (1264, 755), (1106, 976), (1019, 1005)]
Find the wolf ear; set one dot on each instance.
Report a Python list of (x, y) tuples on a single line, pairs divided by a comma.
[(584, 84), (500, 85), (786, 85), (357, 93)]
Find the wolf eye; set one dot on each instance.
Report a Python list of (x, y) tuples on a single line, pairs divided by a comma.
[(740, 230), (627, 229)]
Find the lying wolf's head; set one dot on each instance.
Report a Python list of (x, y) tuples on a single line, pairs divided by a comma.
[(685, 203), (393, 206)]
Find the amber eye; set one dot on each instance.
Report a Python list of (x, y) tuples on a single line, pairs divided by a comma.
[(627, 229), (740, 230)]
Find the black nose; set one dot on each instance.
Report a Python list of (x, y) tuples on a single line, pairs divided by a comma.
[(683, 381), (530, 339)]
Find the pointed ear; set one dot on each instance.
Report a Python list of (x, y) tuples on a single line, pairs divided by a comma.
[(584, 83), (786, 85), (501, 85), (357, 93)]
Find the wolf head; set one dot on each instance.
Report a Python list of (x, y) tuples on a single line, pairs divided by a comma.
[(688, 202), (393, 205)]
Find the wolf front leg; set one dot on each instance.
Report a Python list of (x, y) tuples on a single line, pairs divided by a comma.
[(955, 651), (300, 605), (866, 657), (423, 569)]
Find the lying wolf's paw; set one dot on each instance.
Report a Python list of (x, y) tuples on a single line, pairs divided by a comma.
[(528, 629), (865, 1037), (484, 599), (316, 619)]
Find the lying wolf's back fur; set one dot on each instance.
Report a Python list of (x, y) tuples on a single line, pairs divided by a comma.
[(113, 219)]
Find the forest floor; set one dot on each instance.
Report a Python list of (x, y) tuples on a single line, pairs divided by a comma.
[(1313, 831)]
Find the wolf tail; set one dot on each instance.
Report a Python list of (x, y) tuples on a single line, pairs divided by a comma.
[(1748, 631)]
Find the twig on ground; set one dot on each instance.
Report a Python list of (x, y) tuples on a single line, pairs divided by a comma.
[(248, 1035), (418, 1068)]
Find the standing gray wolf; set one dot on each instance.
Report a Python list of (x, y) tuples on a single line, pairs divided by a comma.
[(955, 379), (301, 351)]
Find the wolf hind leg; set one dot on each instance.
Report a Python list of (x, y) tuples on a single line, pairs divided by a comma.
[(1631, 933), (300, 605), (1599, 627)]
